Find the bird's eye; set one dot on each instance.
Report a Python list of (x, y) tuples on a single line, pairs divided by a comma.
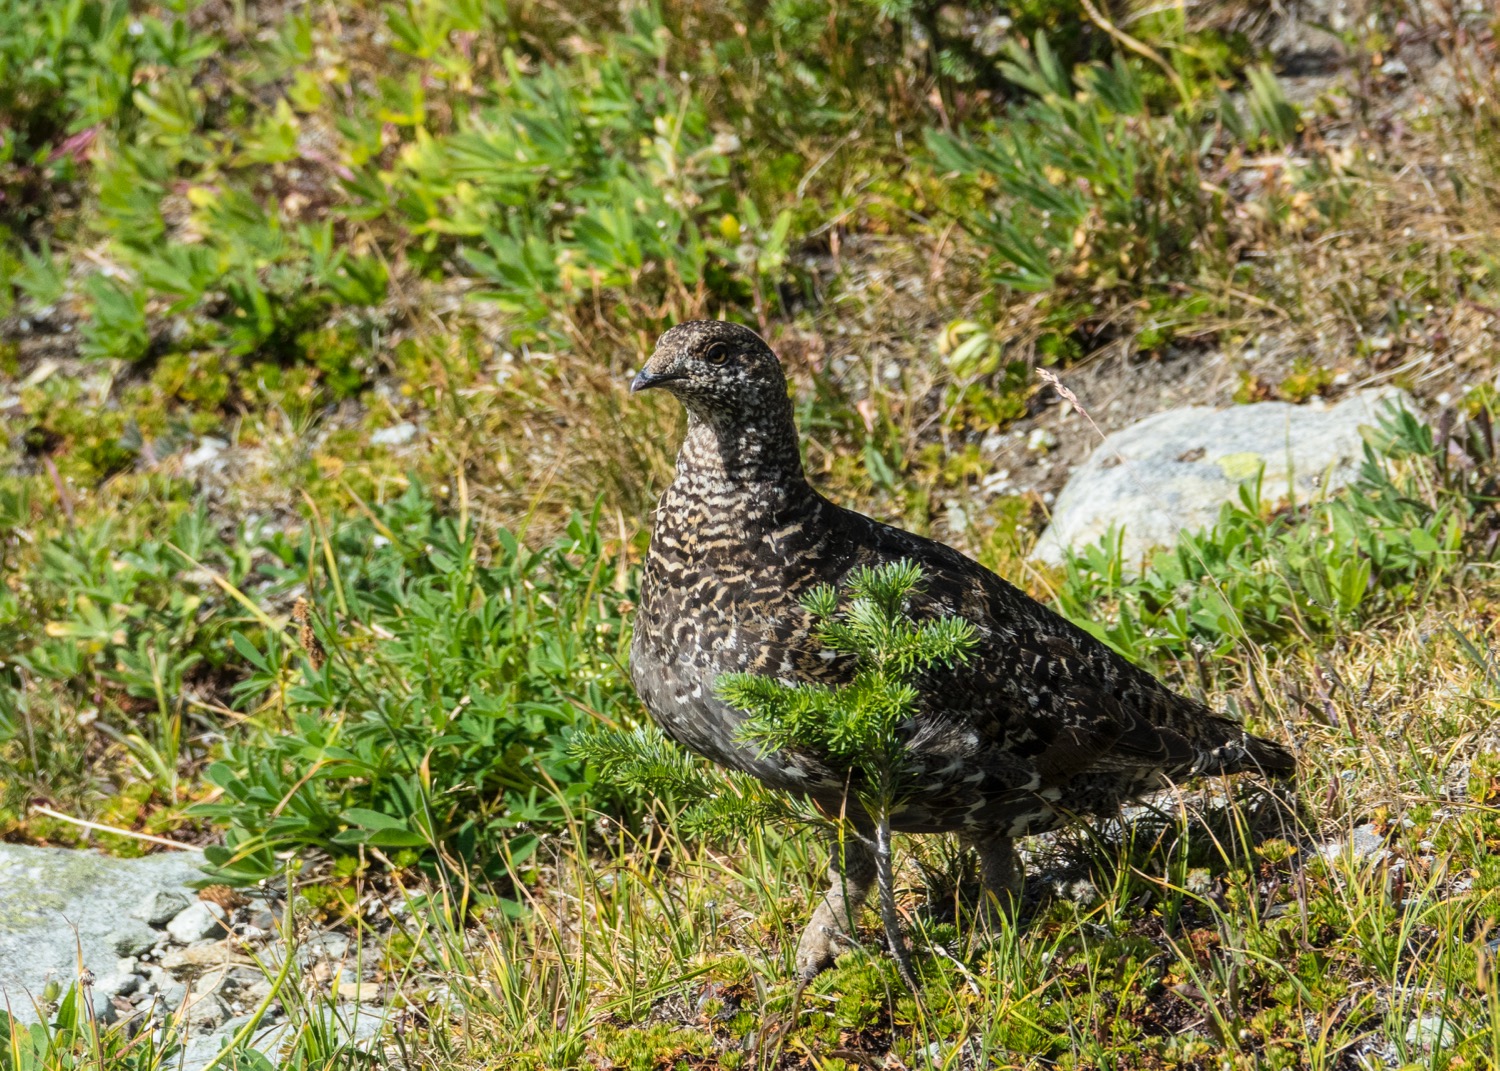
[(716, 354)]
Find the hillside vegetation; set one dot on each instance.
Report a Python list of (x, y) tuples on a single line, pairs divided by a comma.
[(322, 495)]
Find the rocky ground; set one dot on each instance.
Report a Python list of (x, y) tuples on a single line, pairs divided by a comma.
[(161, 945)]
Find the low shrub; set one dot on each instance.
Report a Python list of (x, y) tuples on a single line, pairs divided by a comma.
[(1424, 503), (417, 707), (1093, 193), (421, 711)]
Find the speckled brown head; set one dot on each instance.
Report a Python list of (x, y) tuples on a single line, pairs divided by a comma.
[(723, 373)]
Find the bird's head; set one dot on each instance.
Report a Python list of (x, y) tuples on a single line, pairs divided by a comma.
[(723, 373)]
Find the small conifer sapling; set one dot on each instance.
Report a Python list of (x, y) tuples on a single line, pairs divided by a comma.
[(856, 728)]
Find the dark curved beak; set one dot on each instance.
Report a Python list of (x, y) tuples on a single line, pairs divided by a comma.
[(645, 380)]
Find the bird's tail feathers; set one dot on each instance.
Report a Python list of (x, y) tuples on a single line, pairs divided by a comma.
[(1242, 752)]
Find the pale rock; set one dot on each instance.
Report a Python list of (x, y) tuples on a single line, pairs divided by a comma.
[(133, 937), (395, 435), (360, 992), (1363, 844), (172, 995), (1431, 1032), (208, 450), (1040, 440), (54, 901), (160, 906), (1174, 471), (199, 921), (206, 1013), (117, 985), (206, 955)]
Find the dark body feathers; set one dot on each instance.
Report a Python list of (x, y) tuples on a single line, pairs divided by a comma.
[(1041, 724)]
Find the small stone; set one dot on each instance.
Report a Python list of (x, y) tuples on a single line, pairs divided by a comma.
[(256, 992), (206, 984), (210, 449), (207, 1013), (133, 937), (1431, 1032), (323, 946), (396, 435), (117, 985), (104, 1008), (173, 994), (199, 921), (361, 992), (204, 956), (1040, 440), (1364, 843), (232, 1026), (241, 978), (160, 907)]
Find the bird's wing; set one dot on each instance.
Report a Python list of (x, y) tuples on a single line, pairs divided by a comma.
[(1038, 688)]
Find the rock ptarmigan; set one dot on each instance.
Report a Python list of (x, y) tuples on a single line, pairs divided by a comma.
[(1041, 724)]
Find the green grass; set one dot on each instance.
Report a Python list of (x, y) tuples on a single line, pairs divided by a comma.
[(292, 229)]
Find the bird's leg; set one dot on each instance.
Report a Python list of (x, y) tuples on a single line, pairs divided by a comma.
[(1001, 871), (850, 874), (885, 878)]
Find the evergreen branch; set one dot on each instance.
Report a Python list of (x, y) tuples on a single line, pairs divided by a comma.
[(644, 761), (715, 805), (854, 729)]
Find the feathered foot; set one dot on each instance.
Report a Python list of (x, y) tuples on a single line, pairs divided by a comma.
[(1002, 873), (828, 933)]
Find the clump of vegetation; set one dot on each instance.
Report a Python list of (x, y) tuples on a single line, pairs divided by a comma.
[(331, 309), (421, 711), (1094, 190), (1421, 509), (426, 655)]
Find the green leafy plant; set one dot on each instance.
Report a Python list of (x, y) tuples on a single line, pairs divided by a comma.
[(424, 708), (1260, 576), (1092, 187), (67, 71), (74, 1039), (1107, 202)]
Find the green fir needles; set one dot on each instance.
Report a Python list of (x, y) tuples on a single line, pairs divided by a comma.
[(716, 804), (854, 728)]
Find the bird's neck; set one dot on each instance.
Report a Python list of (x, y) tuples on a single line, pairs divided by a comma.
[(721, 457)]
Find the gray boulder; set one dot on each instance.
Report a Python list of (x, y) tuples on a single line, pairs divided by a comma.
[(160, 906), (199, 921), (56, 901), (1173, 471), (132, 937)]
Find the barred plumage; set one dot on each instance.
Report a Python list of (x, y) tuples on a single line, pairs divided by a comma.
[(1043, 722)]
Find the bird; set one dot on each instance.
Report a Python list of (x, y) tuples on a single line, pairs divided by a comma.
[(1041, 724)]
